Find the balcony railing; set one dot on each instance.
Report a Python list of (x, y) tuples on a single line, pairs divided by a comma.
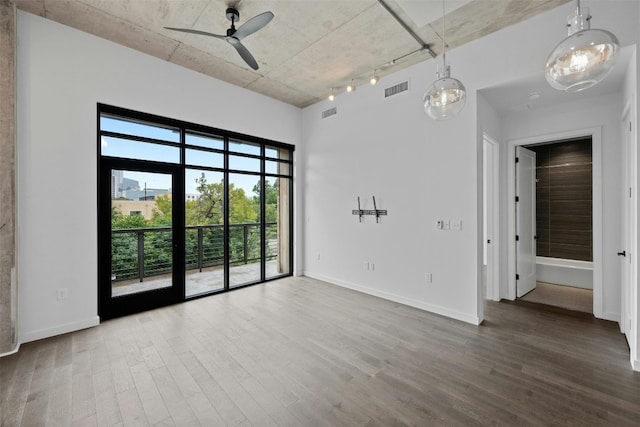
[(138, 253)]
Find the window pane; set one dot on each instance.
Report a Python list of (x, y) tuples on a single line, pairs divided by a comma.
[(277, 153), (279, 168), (244, 163), (204, 234), (245, 245), (117, 147), (132, 127), (244, 147), (142, 237), (271, 152), (205, 141), (204, 193), (204, 158)]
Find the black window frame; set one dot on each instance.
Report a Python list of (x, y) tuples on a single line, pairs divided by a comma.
[(184, 128)]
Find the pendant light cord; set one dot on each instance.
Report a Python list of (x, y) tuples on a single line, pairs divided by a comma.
[(444, 44)]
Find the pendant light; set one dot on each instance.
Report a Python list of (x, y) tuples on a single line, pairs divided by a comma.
[(447, 95), (584, 58)]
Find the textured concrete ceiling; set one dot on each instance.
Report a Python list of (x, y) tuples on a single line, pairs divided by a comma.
[(308, 48)]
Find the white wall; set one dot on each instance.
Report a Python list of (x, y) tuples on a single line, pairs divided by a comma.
[(62, 75), (420, 171), (490, 123), (388, 148)]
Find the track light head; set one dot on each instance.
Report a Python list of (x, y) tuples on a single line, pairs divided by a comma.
[(351, 87)]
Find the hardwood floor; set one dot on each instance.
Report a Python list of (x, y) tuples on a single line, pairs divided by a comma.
[(568, 297), (299, 352)]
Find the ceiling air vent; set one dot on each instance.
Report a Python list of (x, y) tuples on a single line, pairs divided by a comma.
[(330, 112), (396, 89)]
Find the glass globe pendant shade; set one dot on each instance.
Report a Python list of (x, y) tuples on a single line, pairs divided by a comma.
[(445, 98), (584, 58)]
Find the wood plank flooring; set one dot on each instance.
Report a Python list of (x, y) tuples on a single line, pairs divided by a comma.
[(568, 297), (299, 352)]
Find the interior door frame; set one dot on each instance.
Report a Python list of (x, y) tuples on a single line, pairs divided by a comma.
[(492, 220), (596, 147), (145, 300)]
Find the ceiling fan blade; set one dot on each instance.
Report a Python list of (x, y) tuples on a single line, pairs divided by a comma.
[(202, 33), (244, 53), (253, 25)]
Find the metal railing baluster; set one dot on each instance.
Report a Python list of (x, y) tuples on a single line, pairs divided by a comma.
[(141, 255), (201, 255)]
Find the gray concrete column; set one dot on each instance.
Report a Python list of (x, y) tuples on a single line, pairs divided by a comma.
[(8, 294)]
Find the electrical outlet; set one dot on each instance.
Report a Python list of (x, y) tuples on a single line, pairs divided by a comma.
[(456, 224), (62, 293), (372, 266), (428, 277), (366, 265), (446, 225)]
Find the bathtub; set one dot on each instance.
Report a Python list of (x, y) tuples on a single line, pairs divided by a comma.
[(566, 272)]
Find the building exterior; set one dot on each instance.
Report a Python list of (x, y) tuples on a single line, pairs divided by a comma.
[(135, 207), (116, 184)]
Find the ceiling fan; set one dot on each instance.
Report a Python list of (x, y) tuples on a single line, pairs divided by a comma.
[(234, 36)]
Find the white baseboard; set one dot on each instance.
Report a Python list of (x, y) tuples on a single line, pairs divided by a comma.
[(635, 365), (443, 311), (9, 353), (609, 315), (59, 330)]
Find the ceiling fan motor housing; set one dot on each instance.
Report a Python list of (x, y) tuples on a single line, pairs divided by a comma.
[(233, 15)]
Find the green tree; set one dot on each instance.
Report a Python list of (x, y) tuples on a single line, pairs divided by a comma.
[(124, 246), (209, 208), (271, 200), (162, 213), (241, 209), (120, 221)]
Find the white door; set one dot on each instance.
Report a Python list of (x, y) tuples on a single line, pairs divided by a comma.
[(525, 221), (628, 228)]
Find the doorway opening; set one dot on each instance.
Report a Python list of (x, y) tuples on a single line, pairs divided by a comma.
[(561, 263), (563, 227)]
